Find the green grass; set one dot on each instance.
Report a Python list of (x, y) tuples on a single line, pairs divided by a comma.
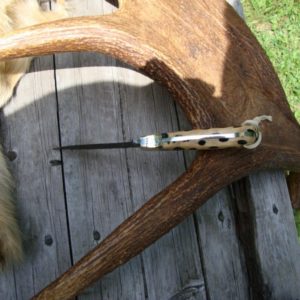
[(276, 24)]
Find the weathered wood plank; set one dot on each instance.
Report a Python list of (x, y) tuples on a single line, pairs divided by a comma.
[(104, 101), (30, 130), (120, 104), (218, 239), (97, 186), (267, 229), (237, 5), (96, 182), (173, 261), (268, 232), (154, 273), (221, 254)]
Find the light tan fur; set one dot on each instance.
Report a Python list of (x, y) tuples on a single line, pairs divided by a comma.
[(15, 14)]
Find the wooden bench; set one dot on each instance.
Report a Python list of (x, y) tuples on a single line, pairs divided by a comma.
[(242, 244)]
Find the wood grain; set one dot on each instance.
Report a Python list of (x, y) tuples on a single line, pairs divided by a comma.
[(222, 255), (103, 100), (174, 260), (268, 233), (217, 72), (234, 87), (89, 110), (30, 129), (217, 236)]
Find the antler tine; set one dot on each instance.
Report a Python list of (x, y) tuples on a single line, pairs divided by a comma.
[(208, 64), (154, 219), (106, 34)]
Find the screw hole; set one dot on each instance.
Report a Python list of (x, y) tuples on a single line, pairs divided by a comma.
[(221, 217), (96, 235), (11, 155), (48, 240), (275, 209)]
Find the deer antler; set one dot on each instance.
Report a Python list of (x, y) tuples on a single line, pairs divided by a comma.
[(216, 70)]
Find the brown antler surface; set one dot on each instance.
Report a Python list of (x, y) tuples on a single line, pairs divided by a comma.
[(215, 69), (293, 181)]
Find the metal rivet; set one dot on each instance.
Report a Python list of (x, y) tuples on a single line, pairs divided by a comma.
[(48, 240)]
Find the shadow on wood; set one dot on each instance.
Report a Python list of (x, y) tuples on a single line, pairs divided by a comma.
[(219, 75)]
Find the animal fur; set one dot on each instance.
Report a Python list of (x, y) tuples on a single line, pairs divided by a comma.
[(15, 14)]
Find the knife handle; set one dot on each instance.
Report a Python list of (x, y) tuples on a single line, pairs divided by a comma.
[(203, 139)]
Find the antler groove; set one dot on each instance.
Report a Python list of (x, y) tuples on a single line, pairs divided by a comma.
[(218, 73), (159, 215)]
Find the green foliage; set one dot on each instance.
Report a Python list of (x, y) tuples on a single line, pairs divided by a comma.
[(276, 24)]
